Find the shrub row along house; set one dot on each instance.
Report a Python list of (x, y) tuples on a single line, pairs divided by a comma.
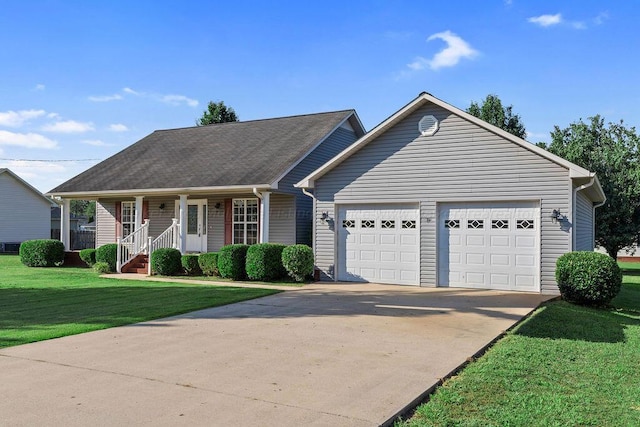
[(432, 196)]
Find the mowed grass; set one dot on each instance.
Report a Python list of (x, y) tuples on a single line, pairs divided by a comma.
[(42, 303), (565, 366)]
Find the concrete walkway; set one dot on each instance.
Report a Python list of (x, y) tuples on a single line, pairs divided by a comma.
[(339, 355)]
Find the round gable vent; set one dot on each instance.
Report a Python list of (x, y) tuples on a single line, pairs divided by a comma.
[(428, 125)]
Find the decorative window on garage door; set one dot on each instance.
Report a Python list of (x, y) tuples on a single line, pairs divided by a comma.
[(500, 224), (348, 223), (475, 223), (525, 224), (368, 223)]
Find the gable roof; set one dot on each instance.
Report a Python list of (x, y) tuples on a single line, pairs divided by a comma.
[(28, 186), (575, 171), (228, 155)]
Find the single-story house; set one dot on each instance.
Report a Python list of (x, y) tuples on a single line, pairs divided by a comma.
[(25, 213), (434, 196), (199, 188)]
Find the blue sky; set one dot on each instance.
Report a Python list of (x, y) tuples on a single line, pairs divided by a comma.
[(82, 79)]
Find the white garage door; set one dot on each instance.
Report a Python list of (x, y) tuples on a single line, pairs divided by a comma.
[(379, 243), (489, 246)]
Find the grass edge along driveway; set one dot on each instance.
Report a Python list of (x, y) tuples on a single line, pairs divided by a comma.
[(42, 303), (565, 365)]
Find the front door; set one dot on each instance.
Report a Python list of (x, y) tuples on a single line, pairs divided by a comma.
[(197, 225)]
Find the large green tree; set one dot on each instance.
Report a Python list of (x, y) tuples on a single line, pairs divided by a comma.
[(492, 111), (613, 153), (86, 208), (217, 112)]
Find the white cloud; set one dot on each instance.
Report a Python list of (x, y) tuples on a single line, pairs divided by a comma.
[(546, 20), (579, 25), (130, 91), (39, 86), (118, 127), (106, 98), (68, 126), (96, 143), (602, 16), (456, 50), (178, 100), (26, 140), (18, 118), (32, 169)]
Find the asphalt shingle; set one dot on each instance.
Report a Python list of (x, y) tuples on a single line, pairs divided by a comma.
[(227, 154)]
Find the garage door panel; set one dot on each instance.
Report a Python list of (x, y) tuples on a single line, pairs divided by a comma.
[(385, 240), (489, 245)]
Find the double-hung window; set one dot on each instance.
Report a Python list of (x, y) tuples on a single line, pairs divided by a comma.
[(128, 218), (245, 221)]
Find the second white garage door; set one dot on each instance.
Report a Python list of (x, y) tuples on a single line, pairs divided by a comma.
[(379, 243), (489, 245)]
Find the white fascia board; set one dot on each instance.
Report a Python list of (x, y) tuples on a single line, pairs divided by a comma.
[(353, 113), (575, 171), (158, 191)]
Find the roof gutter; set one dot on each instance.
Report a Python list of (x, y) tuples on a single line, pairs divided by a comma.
[(155, 191)]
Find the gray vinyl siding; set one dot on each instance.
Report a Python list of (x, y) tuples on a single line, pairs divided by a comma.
[(282, 221), (105, 222), (160, 219), (24, 214), (339, 140), (215, 223), (584, 223), (461, 162)]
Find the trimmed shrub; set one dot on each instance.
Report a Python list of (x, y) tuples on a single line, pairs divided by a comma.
[(166, 261), (102, 267), (588, 278), (190, 265), (208, 263), (264, 262), (88, 256), (108, 253), (232, 260), (298, 261), (42, 253)]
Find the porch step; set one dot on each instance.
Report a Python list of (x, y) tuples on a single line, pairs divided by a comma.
[(139, 265)]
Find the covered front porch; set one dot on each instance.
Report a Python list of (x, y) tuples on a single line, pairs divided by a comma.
[(189, 222)]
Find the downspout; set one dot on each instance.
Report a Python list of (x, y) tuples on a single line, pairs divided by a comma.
[(313, 226), (575, 213)]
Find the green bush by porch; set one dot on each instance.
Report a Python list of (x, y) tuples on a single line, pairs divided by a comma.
[(208, 263), (298, 261), (190, 265), (232, 261), (42, 253), (264, 262), (166, 261), (88, 256), (108, 253)]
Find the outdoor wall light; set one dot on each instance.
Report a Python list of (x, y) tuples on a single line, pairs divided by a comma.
[(324, 216), (217, 205), (161, 206), (556, 216)]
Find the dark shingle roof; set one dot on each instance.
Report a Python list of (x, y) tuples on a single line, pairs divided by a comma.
[(227, 154)]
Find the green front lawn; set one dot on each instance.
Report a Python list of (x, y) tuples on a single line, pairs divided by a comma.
[(565, 366), (42, 303)]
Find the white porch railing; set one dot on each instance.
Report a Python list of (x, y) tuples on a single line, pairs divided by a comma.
[(169, 238), (134, 244)]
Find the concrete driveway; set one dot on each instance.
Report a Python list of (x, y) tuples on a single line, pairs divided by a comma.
[(327, 354)]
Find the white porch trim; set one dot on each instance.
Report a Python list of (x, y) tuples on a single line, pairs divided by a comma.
[(65, 223), (183, 223), (138, 210)]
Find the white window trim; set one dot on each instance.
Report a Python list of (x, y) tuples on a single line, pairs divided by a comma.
[(131, 222), (244, 222)]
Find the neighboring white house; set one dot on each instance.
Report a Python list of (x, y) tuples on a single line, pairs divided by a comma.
[(25, 213), (436, 197)]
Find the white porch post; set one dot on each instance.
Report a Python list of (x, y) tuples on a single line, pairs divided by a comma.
[(264, 217), (183, 223), (138, 217), (65, 224)]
